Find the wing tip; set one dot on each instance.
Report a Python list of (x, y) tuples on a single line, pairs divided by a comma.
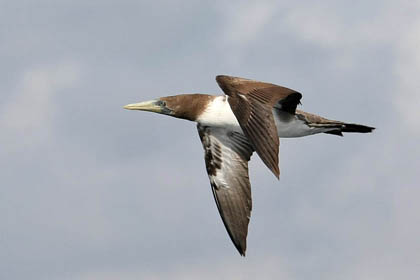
[(275, 169), (221, 79), (224, 79), (241, 250)]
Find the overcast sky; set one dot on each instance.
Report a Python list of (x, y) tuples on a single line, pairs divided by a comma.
[(90, 191)]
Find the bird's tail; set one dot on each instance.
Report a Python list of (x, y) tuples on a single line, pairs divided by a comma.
[(331, 126), (349, 127)]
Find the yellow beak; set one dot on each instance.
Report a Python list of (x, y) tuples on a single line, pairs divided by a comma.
[(151, 106)]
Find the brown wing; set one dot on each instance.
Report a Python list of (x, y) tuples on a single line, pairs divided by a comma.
[(252, 103), (227, 154)]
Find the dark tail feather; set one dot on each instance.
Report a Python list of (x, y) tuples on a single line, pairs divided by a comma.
[(351, 127)]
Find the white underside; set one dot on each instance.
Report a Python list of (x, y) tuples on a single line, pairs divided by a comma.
[(219, 114), (294, 127)]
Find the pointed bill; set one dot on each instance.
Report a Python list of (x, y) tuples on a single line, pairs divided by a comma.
[(151, 106)]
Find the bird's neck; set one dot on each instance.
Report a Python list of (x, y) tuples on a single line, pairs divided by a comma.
[(188, 106)]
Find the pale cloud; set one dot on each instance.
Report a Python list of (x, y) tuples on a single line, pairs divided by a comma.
[(264, 268), (245, 20), (325, 25), (314, 25), (407, 91), (29, 113)]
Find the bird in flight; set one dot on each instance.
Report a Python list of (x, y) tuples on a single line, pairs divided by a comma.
[(250, 117)]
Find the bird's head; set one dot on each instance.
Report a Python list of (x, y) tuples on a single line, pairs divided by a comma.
[(184, 106)]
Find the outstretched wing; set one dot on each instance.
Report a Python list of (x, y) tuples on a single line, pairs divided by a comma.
[(252, 103), (227, 154)]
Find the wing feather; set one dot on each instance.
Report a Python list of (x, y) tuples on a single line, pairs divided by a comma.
[(227, 154), (252, 103)]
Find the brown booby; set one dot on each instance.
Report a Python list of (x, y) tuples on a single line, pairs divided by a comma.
[(250, 117)]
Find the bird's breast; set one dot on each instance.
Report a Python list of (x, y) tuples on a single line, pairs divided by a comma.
[(219, 114)]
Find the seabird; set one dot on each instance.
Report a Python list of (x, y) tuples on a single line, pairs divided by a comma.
[(250, 117)]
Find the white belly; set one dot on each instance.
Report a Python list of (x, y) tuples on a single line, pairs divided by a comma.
[(294, 128), (289, 126), (219, 114)]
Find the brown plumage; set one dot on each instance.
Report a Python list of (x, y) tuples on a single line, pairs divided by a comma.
[(187, 106), (252, 103), (251, 117), (227, 155)]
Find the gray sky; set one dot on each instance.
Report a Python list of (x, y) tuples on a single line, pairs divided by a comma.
[(91, 191)]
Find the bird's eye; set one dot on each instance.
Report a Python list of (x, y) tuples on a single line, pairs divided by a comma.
[(161, 103)]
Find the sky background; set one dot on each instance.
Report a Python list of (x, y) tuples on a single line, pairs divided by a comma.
[(90, 191)]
